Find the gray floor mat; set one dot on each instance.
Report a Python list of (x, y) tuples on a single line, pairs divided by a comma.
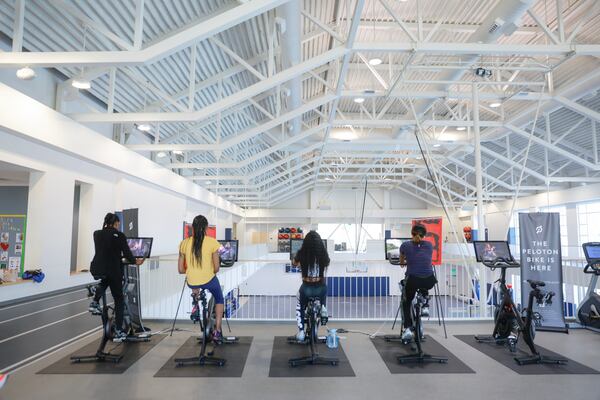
[(283, 351), (236, 355)]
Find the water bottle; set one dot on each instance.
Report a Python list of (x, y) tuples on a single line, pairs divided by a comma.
[(332, 339)]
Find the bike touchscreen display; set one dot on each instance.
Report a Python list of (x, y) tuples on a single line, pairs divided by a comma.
[(488, 251), (140, 247), (228, 250), (592, 251)]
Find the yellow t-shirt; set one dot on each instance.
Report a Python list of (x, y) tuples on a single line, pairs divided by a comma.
[(199, 273)]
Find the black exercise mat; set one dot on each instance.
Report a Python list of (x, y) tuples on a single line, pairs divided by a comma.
[(131, 352), (506, 358), (389, 351), (283, 351), (235, 354)]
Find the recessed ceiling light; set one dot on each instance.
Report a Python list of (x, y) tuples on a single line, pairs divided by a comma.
[(231, 196), (178, 152), (437, 145), (81, 83), (208, 182), (461, 128), (359, 100), (375, 61), (144, 127), (161, 154), (495, 104), (419, 158), (25, 73)]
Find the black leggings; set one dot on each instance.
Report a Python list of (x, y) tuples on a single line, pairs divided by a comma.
[(307, 291), (412, 284), (116, 289)]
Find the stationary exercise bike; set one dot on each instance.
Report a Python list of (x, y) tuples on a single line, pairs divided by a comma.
[(108, 331), (312, 320), (510, 324), (206, 318), (588, 313)]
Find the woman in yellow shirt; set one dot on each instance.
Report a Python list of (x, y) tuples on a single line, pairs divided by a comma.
[(199, 260)]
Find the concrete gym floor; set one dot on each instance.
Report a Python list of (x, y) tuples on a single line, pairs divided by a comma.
[(492, 380)]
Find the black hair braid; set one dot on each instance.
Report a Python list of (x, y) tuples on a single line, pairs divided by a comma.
[(313, 251), (199, 226)]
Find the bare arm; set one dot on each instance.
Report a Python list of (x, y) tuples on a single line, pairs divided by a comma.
[(216, 261), (181, 264), (402, 260)]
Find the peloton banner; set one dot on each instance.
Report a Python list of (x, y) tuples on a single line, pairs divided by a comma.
[(541, 260)]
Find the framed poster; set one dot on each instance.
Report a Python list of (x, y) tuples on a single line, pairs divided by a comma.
[(211, 231), (130, 222), (12, 245), (434, 236)]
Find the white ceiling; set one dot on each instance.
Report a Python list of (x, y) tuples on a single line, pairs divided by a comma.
[(235, 134)]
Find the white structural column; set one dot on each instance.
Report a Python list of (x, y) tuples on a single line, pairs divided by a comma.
[(478, 169), (17, 41)]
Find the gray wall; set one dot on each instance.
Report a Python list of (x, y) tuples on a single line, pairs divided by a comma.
[(13, 199)]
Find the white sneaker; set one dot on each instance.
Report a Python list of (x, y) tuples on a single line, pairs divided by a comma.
[(300, 336), (119, 337), (425, 312), (407, 335)]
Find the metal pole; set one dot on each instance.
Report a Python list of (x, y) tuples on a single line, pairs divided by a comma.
[(478, 169), (479, 187)]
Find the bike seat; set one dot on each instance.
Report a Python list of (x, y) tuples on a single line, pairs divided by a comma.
[(536, 284)]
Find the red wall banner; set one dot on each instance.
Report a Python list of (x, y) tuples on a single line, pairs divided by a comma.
[(434, 236), (211, 231)]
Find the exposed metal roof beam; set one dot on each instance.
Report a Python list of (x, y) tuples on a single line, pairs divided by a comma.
[(154, 52), (483, 49), (221, 105)]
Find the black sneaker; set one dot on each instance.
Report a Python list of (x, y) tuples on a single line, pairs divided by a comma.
[(94, 308), (217, 337)]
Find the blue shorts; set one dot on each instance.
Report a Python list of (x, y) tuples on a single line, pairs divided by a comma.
[(214, 287)]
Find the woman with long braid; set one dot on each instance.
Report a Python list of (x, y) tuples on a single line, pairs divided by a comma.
[(199, 260), (313, 260)]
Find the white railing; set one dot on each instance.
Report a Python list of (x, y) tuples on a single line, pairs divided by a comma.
[(262, 290)]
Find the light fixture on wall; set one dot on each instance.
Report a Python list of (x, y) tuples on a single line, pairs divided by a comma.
[(81, 83), (208, 182), (25, 73), (436, 145), (144, 127), (375, 61), (359, 100), (495, 104), (161, 154), (178, 152)]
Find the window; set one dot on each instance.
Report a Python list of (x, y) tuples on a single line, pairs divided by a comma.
[(346, 236), (588, 220)]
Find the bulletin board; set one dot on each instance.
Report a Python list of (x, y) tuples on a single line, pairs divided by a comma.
[(12, 246)]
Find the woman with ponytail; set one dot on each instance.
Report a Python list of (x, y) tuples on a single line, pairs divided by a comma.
[(111, 246), (416, 254), (199, 260)]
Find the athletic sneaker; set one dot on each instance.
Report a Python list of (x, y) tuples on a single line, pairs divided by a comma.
[(425, 312), (407, 335), (300, 336), (94, 308), (119, 336), (217, 337)]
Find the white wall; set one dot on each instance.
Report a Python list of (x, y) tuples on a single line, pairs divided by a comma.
[(60, 152)]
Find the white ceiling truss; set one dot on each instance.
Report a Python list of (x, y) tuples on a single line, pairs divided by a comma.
[(257, 99)]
